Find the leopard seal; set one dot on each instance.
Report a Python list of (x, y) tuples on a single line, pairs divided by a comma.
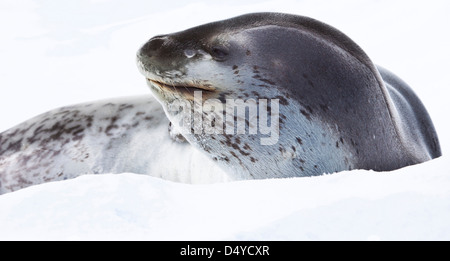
[(337, 110), (328, 109)]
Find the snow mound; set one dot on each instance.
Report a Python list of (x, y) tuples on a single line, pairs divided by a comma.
[(412, 203)]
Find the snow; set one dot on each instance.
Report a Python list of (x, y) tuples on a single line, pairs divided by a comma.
[(55, 53), (409, 204)]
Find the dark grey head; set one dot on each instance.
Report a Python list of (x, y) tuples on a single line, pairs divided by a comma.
[(226, 56)]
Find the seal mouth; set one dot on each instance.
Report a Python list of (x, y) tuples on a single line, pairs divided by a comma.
[(186, 90)]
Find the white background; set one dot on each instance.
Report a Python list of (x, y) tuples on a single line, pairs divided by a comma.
[(55, 53)]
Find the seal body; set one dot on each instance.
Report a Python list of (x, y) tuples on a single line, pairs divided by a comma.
[(262, 95), (336, 111), (414, 119), (111, 136)]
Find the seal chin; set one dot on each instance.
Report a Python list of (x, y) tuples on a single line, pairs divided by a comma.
[(181, 90)]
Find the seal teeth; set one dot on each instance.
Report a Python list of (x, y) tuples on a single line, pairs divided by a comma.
[(174, 86)]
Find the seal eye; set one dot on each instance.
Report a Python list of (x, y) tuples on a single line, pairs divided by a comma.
[(219, 53)]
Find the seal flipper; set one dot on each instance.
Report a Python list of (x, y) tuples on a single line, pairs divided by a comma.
[(415, 121)]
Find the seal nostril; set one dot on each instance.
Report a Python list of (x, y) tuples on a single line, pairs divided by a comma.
[(152, 46)]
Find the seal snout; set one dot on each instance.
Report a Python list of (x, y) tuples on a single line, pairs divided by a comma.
[(159, 55), (164, 61)]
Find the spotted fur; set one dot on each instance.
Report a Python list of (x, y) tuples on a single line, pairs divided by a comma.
[(111, 136)]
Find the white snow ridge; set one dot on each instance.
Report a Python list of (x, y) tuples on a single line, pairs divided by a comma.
[(408, 204)]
